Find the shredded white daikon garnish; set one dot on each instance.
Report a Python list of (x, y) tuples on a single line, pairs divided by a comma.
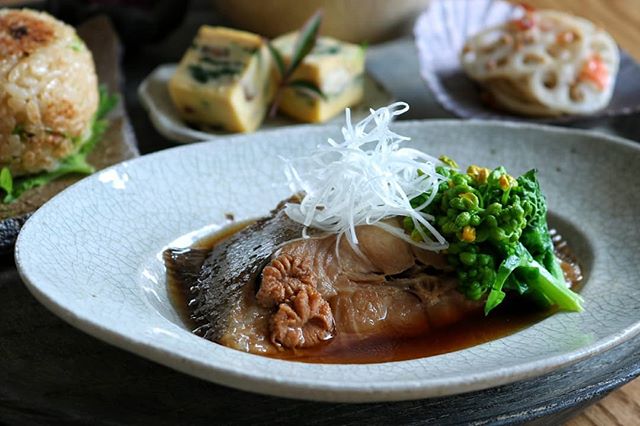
[(365, 179)]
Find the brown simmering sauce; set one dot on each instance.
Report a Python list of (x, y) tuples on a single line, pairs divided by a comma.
[(510, 317)]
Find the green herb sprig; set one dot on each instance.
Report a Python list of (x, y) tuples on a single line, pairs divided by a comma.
[(304, 44)]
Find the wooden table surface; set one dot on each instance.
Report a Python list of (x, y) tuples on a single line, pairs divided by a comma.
[(621, 407), (622, 19)]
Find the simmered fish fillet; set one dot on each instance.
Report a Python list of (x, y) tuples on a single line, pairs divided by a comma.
[(265, 289)]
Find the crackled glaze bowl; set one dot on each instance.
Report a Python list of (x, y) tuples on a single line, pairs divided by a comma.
[(92, 255)]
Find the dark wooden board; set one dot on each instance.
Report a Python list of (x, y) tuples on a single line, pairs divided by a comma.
[(51, 373), (117, 144)]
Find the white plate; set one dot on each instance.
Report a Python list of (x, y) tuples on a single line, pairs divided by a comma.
[(92, 255), (154, 95)]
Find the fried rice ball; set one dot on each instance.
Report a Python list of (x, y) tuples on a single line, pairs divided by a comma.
[(48, 91)]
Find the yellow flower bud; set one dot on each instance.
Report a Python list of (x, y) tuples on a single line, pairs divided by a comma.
[(505, 182), (469, 234), (479, 174), (449, 162), (471, 197)]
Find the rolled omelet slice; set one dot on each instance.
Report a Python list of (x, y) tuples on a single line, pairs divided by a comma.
[(225, 80), (334, 67), (48, 91)]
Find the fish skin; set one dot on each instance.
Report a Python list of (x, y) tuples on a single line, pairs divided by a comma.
[(232, 270), (184, 264)]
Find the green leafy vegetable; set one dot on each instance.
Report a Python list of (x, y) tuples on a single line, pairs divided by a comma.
[(305, 42), (75, 163), (277, 57), (499, 239), (106, 103), (19, 130), (6, 180), (364, 46), (308, 87), (77, 45), (203, 75)]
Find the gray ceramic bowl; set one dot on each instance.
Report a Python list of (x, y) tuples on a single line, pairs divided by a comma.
[(92, 255)]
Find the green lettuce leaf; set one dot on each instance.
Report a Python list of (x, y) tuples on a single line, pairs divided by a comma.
[(75, 163)]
